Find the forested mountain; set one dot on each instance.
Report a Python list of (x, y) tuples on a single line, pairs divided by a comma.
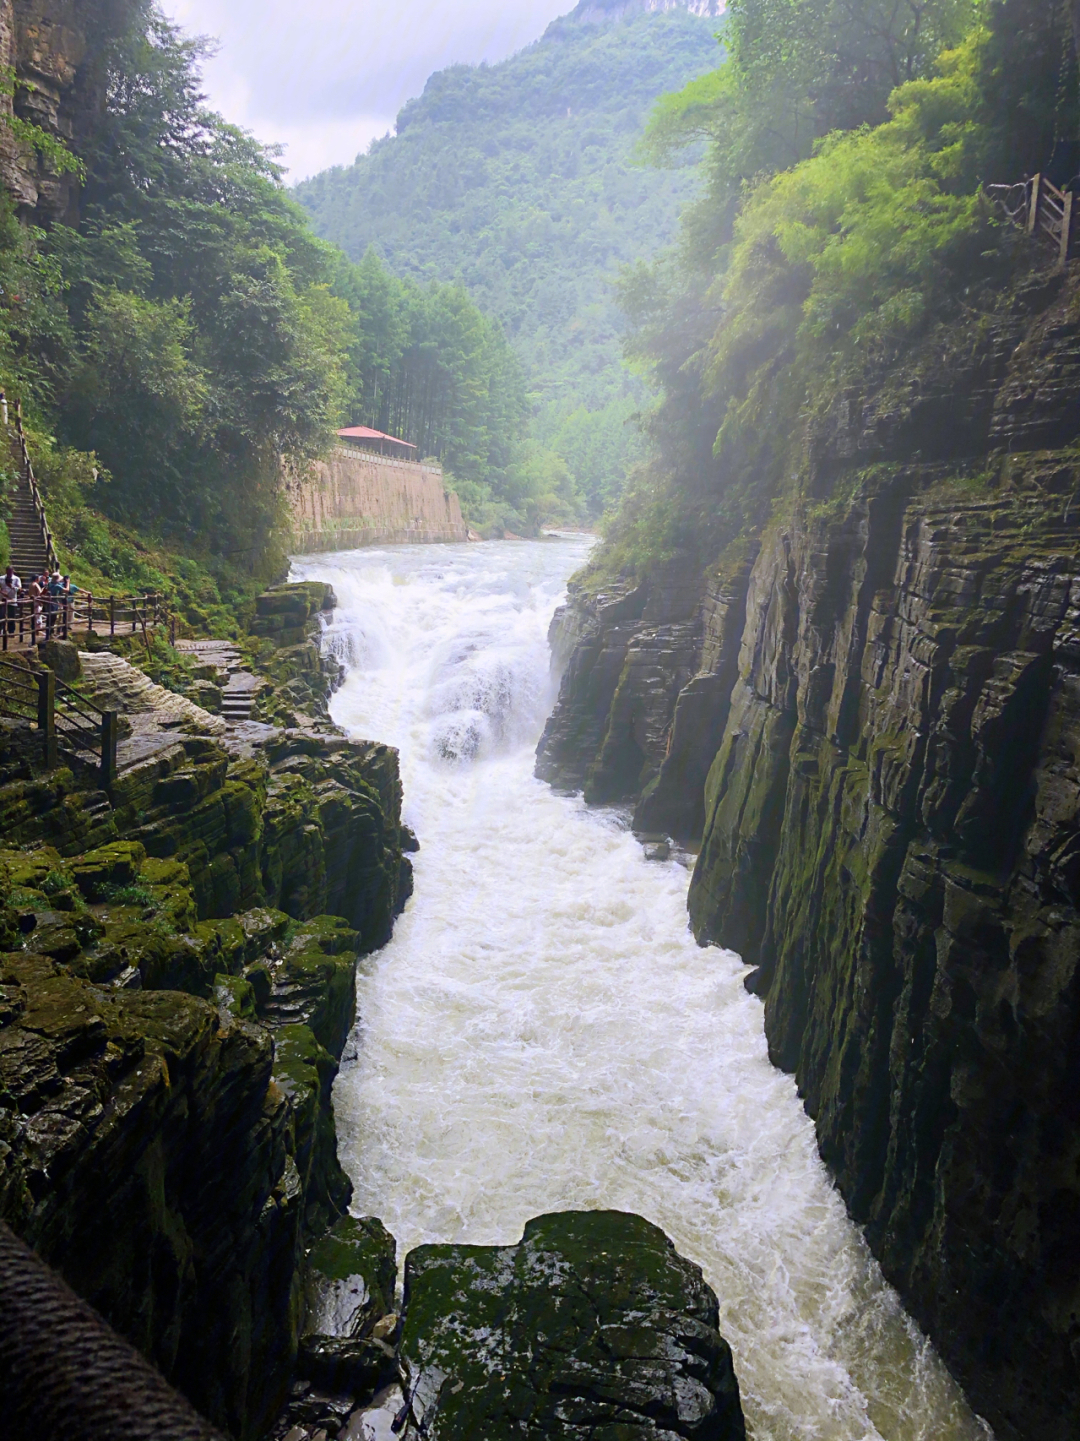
[(520, 180), (174, 329)]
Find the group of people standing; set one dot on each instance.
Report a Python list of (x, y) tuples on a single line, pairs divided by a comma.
[(43, 603)]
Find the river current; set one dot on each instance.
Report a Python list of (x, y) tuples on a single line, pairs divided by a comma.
[(543, 1033)]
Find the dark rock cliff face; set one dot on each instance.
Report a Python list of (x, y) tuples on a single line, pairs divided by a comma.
[(887, 706), (57, 52), (177, 984)]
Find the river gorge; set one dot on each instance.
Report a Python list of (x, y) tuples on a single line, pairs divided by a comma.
[(542, 1032)]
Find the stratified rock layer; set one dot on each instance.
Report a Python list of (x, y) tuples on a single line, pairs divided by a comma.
[(887, 707), (591, 1327), (174, 1001)]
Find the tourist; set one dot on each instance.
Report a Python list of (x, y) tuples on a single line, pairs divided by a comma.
[(9, 594), (35, 590), (54, 589)]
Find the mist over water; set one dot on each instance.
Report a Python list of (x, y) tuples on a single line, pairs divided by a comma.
[(543, 1032)]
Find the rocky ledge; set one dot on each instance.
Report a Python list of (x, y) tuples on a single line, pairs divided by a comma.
[(591, 1328), (177, 983)]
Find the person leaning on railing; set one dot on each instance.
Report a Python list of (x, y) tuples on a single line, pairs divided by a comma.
[(10, 587), (54, 590)]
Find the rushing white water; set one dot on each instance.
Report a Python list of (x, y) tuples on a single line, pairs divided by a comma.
[(542, 1032)]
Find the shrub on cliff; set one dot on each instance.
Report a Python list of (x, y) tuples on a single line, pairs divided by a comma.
[(816, 255)]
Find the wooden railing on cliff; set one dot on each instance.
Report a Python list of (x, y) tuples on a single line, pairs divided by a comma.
[(28, 622), (64, 718), (1042, 210)]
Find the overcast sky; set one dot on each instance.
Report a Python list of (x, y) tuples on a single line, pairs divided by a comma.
[(325, 77)]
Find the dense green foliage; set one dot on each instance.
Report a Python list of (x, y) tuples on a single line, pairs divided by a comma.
[(192, 332), (831, 233), (519, 180)]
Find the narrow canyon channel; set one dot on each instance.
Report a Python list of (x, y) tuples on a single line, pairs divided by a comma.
[(543, 1032)]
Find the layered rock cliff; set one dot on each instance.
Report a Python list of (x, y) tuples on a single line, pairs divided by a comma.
[(177, 983), (879, 749), (56, 53)]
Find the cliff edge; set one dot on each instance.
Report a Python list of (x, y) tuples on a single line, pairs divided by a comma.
[(869, 714)]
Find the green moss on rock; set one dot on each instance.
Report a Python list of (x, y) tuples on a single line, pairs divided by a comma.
[(591, 1326)]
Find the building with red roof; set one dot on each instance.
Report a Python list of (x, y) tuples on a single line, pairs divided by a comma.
[(362, 437)]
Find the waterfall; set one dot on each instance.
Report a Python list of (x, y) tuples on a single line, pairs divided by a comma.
[(543, 1032)]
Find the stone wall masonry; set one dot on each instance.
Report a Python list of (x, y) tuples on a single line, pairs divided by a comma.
[(357, 498)]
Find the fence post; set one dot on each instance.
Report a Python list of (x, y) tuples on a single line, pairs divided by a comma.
[(108, 748), (112, 615), (46, 716), (89, 612), (1033, 204), (1066, 228)]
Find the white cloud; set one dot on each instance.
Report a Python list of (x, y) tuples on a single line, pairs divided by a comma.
[(327, 77), (318, 144)]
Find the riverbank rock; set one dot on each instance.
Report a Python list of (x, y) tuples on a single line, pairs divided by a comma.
[(880, 750), (351, 1276), (591, 1327), (174, 1001)]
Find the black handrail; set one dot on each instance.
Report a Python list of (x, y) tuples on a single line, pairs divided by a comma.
[(60, 727), (30, 620)]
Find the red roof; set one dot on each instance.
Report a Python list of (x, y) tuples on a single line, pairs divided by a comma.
[(363, 432)]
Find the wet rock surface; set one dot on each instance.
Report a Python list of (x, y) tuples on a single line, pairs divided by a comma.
[(879, 751), (177, 982), (592, 1326)]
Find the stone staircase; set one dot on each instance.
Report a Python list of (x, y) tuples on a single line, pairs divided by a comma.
[(30, 549), (238, 686)]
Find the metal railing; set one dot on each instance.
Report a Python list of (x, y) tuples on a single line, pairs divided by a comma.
[(64, 718), (32, 619), (1041, 209)]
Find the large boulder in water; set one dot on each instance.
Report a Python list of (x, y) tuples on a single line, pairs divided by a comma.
[(593, 1326)]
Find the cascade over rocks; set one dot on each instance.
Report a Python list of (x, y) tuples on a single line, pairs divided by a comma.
[(878, 750)]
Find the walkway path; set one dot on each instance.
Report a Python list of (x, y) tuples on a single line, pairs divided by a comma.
[(155, 713), (239, 687)]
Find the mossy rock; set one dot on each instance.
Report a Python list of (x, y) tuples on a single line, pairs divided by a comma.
[(351, 1365), (592, 1326), (350, 1278), (305, 1071), (234, 996), (114, 865), (314, 982), (26, 870), (263, 927), (62, 658)]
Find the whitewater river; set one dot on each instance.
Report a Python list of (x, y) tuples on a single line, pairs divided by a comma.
[(542, 1032)]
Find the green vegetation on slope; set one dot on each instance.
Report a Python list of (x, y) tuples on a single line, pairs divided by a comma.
[(191, 332), (842, 216), (519, 180)]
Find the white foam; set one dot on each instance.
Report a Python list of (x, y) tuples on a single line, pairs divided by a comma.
[(542, 1032)]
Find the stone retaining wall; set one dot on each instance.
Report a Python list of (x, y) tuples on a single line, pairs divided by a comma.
[(356, 498)]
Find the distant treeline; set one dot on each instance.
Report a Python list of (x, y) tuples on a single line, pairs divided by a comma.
[(190, 331), (519, 180), (846, 145)]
